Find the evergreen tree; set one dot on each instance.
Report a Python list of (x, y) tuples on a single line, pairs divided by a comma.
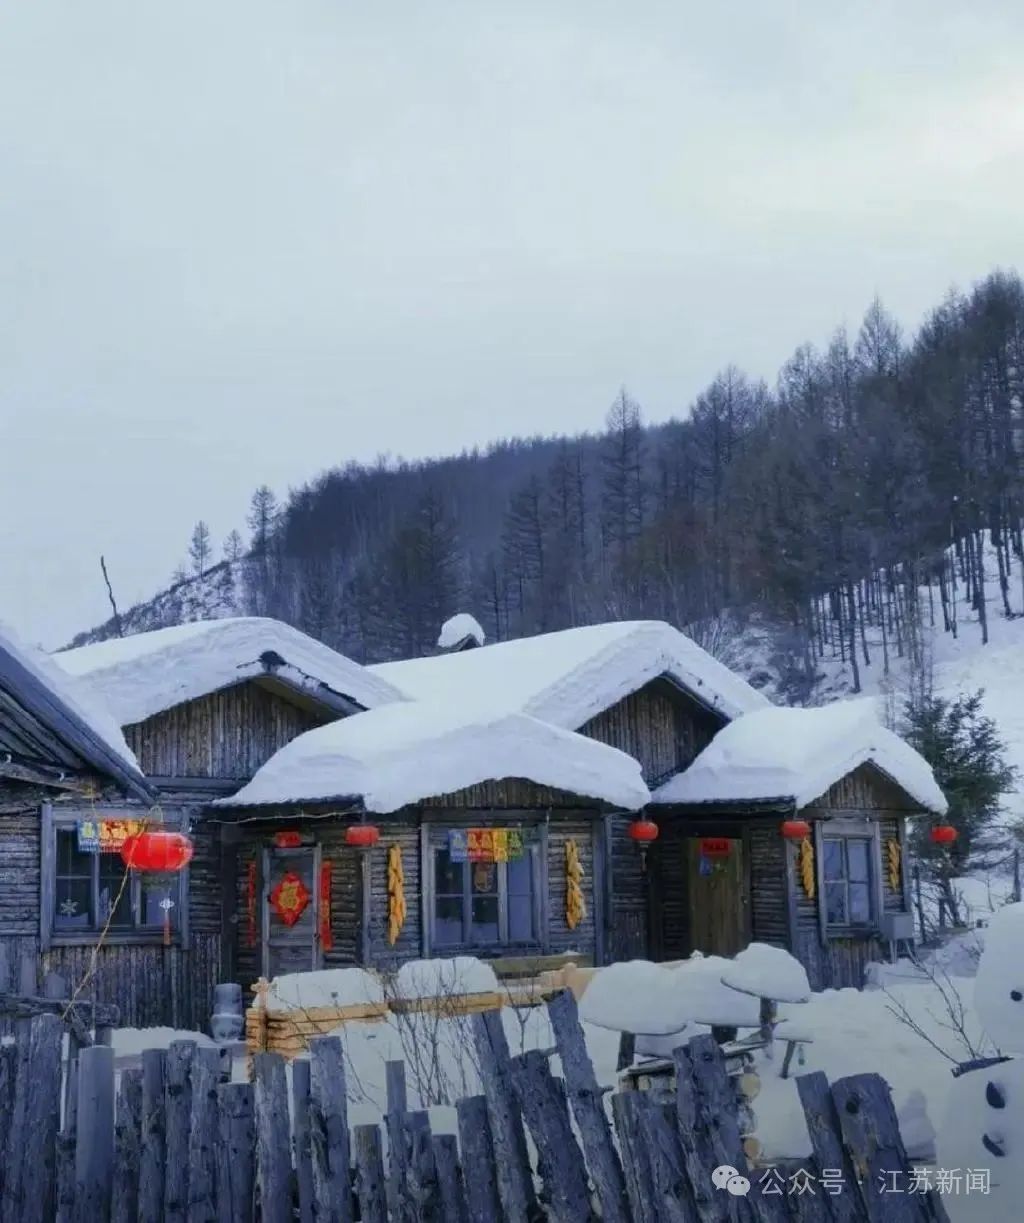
[(233, 547)]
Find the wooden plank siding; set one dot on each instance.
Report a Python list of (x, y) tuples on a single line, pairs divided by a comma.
[(228, 734)]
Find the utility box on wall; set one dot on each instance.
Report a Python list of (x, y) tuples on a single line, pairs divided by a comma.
[(897, 927)]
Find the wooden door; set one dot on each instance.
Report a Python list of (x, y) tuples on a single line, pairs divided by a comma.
[(290, 907), (717, 899)]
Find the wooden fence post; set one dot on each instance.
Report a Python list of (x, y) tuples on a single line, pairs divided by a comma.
[(328, 1124), (127, 1148), (369, 1175), (827, 1144), (586, 1101), (422, 1197), (560, 1162), (394, 1121), (515, 1179), (66, 1148), (8, 1078), (301, 1138), (236, 1154), (636, 1164), (177, 1120), (38, 1139), (673, 1197), (449, 1179), (94, 1134), (153, 1140), (273, 1150), (10, 1206), (202, 1139), (700, 1157), (481, 1176)]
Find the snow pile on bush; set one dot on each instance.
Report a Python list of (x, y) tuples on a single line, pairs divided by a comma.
[(463, 974), (330, 987)]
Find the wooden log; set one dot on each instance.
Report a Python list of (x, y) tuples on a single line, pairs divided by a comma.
[(394, 1122), (302, 1149), (699, 1153), (449, 1179), (636, 1167), (328, 1127), (369, 1174), (482, 1201), (586, 1101), (871, 1132), (25, 1006), (545, 1110), (236, 1154), (202, 1142), (38, 1138), (127, 1148), (813, 1205), (66, 1148), (273, 1150), (153, 1140), (673, 1199), (10, 1204), (627, 1051), (827, 1144), (177, 1120), (8, 1078), (515, 1179), (94, 1134), (422, 1196)]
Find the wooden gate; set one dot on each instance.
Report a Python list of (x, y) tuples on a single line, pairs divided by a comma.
[(717, 896)]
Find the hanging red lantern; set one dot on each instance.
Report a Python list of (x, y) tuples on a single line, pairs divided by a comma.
[(715, 847), (643, 832), (943, 834), (362, 836), (796, 830), (158, 850), (288, 840)]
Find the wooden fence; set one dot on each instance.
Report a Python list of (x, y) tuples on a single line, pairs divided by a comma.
[(182, 1143)]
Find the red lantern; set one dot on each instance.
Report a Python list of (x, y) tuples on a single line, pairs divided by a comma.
[(715, 847), (943, 834), (362, 836), (643, 831), (796, 830), (158, 850), (288, 840)]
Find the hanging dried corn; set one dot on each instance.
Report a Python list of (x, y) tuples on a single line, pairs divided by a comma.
[(807, 875), (575, 905), (892, 861), (396, 894)]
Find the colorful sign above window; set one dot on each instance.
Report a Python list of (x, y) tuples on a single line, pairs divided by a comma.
[(106, 836), (485, 844)]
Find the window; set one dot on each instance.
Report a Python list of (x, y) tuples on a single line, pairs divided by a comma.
[(846, 863), (484, 903), (90, 888)]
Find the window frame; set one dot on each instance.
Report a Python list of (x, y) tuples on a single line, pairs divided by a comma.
[(535, 851), (51, 934), (844, 830)]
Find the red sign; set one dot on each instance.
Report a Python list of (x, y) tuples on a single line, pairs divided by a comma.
[(326, 936), (715, 847), (250, 903), (290, 898), (288, 840)]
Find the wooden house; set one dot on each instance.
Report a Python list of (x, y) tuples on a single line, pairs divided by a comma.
[(57, 750)]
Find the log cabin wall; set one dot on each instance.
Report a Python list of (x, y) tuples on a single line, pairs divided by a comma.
[(150, 984), (664, 729), (228, 734), (839, 961)]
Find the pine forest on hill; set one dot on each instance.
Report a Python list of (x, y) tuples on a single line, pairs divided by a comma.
[(880, 472)]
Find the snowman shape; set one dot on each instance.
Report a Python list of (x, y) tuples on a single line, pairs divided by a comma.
[(984, 1124)]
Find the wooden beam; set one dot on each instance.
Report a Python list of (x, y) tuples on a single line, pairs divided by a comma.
[(44, 775)]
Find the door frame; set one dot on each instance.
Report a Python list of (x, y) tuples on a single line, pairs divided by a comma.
[(268, 855)]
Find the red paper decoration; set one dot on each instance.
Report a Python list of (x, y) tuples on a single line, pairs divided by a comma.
[(326, 935), (715, 847), (362, 836), (643, 831), (158, 850), (943, 834), (796, 830), (288, 840), (290, 898)]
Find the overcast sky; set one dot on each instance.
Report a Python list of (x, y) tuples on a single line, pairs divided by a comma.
[(241, 240)]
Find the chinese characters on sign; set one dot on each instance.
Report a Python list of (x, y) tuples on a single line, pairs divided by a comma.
[(773, 1183), (485, 844), (105, 836)]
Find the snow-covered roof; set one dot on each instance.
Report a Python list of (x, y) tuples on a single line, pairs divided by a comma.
[(460, 628), (797, 754), (568, 677), (63, 706), (139, 676), (403, 753)]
